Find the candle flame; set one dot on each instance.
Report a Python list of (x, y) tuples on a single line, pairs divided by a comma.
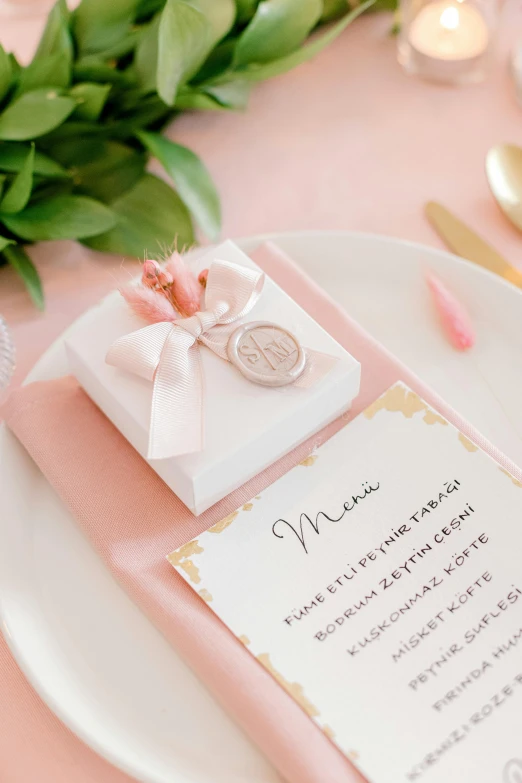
[(450, 18)]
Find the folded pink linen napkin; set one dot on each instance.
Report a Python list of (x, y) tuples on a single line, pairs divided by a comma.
[(134, 520)]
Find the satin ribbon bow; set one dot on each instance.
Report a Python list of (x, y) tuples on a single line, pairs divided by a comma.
[(167, 353)]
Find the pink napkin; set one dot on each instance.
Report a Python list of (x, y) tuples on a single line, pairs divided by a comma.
[(134, 520)]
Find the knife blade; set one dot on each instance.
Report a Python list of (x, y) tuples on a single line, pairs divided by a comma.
[(463, 241)]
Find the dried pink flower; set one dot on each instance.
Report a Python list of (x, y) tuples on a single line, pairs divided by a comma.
[(149, 275), (148, 304), (453, 315), (155, 276), (185, 291)]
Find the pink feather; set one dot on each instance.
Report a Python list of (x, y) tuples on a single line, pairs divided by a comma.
[(150, 305), (454, 318), (185, 291)]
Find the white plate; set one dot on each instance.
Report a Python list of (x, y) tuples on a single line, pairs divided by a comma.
[(91, 654)]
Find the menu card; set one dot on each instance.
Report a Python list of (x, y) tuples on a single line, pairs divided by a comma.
[(380, 583)]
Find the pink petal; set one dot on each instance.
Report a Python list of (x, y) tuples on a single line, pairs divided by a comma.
[(150, 305), (186, 291), (149, 273), (454, 317)]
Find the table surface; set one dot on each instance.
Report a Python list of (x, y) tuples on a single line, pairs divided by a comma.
[(347, 141)]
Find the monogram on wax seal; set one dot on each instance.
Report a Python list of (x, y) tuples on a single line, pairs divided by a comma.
[(267, 354)]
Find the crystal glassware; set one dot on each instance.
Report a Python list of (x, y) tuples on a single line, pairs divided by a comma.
[(7, 356)]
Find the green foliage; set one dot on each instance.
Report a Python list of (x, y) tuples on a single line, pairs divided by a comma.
[(184, 41), (151, 219), (78, 123), (191, 179), (61, 217), (22, 264), (6, 72), (34, 114), (277, 28), (19, 191)]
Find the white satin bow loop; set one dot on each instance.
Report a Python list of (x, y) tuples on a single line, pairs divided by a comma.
[(167, 353)]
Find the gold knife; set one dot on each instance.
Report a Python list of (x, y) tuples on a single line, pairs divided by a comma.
[(464, 242)]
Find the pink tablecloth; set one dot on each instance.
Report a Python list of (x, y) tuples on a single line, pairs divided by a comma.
[(345, 142)]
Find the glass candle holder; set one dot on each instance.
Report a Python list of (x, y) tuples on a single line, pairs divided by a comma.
[(447, 41), (7, 357)]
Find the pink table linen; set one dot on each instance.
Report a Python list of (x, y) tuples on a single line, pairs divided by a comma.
[(119, 502), (344, 142)]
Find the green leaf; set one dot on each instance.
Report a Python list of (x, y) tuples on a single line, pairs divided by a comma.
[(6, 72), (146, 8), (218, 61), (189, 99), (278, 28), (99, 24), (332, 9), (233, 95), (183, 43), (152, 218), (90, 99), (245, 9), (51, 65), (34, 114), (15, 65), (101, 169), (220, 15), (56, 37), (5, 242), (13, 156), (77, 129), (3, 178), (191, 178), (62, 217), (85, 70), (256, 73), (20, 261), (146, 59), (122, 47), (18, 194), (51, 71), (50, 188)]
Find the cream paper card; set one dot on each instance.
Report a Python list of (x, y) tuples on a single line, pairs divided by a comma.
[(380, 582)]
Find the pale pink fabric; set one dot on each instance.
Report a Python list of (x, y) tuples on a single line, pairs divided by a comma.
[(120, 504), (344, 142)]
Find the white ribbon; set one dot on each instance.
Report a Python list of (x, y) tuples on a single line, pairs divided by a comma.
[(167, 353)]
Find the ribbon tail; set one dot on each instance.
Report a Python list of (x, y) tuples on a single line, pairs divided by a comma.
[(318, 365), (176, 421)]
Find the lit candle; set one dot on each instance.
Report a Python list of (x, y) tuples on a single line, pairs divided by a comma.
[(449, 32)]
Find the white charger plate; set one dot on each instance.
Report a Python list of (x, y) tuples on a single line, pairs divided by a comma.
[(91, 654)]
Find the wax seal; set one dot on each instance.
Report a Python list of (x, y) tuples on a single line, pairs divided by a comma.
[(266, 353)]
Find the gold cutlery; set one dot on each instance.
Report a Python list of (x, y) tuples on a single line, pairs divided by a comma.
[(463, 241), (504, 174)]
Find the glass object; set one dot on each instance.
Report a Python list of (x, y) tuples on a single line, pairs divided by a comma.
[(7, 356), (447, 40)]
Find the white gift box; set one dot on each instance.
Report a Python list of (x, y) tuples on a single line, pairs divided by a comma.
[(247, 426)]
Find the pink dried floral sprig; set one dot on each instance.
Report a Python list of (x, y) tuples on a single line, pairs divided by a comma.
[(155, 276), (185, 292), (453, 315), (167, 292)]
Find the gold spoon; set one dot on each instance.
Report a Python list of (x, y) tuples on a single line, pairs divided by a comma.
[(504, 173)]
